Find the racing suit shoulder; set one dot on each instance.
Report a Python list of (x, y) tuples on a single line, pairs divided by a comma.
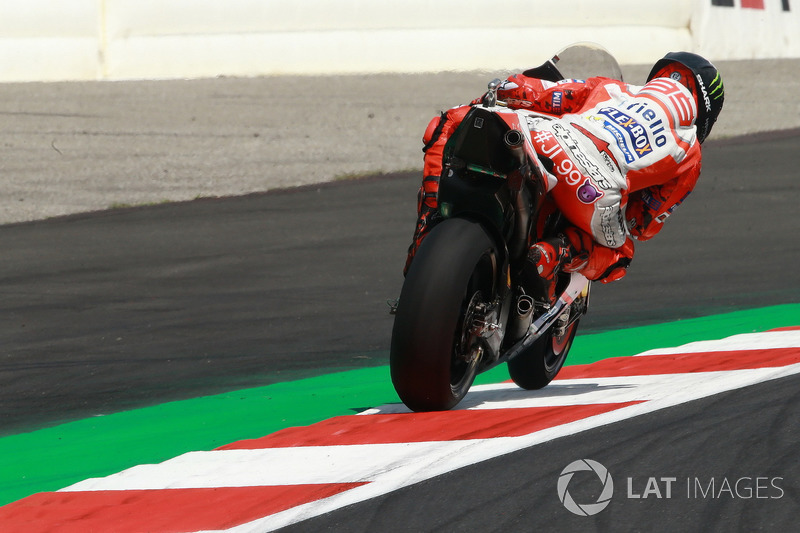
[(650, 142)]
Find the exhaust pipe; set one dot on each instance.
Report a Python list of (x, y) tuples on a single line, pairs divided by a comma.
[(515, 141), (523, 318), (513, 138)]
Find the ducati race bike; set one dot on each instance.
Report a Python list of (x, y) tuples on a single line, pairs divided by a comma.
[(471, 300)]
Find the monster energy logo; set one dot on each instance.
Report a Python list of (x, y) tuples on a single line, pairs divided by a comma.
[(719, 88)]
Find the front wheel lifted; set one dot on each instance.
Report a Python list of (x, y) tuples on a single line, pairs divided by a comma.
[(436, 349)]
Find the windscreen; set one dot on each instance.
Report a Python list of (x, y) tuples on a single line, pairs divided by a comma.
[(585, 60)]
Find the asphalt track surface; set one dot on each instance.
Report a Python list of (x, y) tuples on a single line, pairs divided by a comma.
[(131, 307), (125, 308)]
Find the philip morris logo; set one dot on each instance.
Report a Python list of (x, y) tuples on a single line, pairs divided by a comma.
[(585, 509)]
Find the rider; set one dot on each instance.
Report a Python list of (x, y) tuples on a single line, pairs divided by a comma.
[(622, 158)]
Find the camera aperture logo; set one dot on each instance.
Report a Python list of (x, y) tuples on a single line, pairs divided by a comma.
[(585, 509)]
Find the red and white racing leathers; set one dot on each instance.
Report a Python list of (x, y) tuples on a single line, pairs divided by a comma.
[(623, 157)]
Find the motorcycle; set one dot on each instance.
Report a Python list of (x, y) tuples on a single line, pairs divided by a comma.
[(471, 300)]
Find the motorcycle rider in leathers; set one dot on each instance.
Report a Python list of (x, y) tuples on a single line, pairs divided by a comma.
[(620, 158)]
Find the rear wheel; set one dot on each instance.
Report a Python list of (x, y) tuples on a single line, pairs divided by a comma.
[(435, 350), (536, 366)]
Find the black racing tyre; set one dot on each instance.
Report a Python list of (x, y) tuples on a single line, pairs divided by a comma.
[(434, 356), (538, 364)]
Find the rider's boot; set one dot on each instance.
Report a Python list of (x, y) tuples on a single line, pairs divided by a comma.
[(567, 252), (547, 257)]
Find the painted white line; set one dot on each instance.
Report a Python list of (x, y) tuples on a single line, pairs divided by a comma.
[(472, 452), (746, 341), (388, 467), (272, 466)]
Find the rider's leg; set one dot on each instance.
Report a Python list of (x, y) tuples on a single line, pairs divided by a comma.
[(574, 250)]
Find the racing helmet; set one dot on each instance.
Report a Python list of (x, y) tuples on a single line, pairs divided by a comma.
[(708, 89)]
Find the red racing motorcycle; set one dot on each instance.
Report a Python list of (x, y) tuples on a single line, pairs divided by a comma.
[(471, 300)]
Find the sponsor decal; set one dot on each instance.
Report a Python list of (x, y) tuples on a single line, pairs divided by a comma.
[(578, 155), (623, 126), (609, 225), (516, 102), (602, 147), (716, 88), (650, 201), (620, 140), (557, 101), (654, 124), (706, 98), (632, 137)]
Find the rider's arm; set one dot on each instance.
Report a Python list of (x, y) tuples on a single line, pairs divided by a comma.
[(648, 208), (567, 96)]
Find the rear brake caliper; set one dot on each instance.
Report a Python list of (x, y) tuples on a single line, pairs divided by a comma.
[(484, 321)]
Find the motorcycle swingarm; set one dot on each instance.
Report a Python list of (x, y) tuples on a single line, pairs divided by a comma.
[(578, 286)]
